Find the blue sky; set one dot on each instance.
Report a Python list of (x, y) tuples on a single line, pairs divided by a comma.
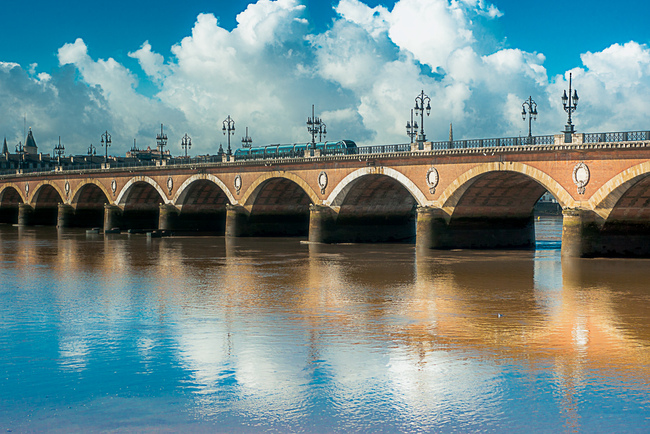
[(79, 68)]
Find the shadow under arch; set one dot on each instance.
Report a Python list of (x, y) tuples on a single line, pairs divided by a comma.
[(451, 196), (256, 187), (88, 200), (140, 201), (277, 204), (75, 194), (491, 206), (45, 202), (338, 195), (201, 202), (124, 192), (182, 191), (10, 198), (374, 205)]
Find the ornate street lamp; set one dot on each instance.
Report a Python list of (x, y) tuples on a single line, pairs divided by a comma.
[(419, 111), (314, 126), (161, 141), (20, 150), (246, 141), (532, 115), (322, 131), (106, 142), (411, 128), (186, 142), (570, 104), (228, 129), (59, 151)]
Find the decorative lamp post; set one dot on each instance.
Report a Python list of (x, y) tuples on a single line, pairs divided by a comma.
[(246, 141), (186, 142), (92, 150), (419, 111), (20, 150), (161, 141), (411, 127), (228, 129), (314, 126), (570, 104), (59, 151), (322, 131), (106, 142), (529, 107)]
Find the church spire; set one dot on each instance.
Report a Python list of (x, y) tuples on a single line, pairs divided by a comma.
[(5, 150)]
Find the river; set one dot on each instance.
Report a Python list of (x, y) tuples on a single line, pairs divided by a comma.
[(204, 334)]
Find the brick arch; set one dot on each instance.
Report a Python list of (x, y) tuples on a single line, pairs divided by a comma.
[(251, 193), (604, 201), (453, 194), (182, 191), (19, 190), (121, 197), (74, 194), (40, 185), (340, 192)]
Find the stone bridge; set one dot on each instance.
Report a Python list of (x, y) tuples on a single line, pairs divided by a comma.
[(473, 197)]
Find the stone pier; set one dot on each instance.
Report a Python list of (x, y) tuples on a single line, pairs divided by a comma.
[(65, 216), (112, 217)]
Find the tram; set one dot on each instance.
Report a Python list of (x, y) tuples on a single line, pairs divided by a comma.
[(342, 147)]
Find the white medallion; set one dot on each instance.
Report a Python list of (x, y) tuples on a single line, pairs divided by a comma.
[(67, 188), (581, 177), (27, 189), (432, 179), (114, 186), (170, 184), (238, 183), (322, 182)]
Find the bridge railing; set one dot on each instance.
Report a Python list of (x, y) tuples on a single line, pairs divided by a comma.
[(382, 149), (611, 137), (628, 136)]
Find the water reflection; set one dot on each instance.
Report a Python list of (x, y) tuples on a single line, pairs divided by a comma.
[(276, 334)]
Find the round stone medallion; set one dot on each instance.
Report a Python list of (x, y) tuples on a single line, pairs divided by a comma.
[(581, 177), (238, 183), (322, 182), (432, 179)]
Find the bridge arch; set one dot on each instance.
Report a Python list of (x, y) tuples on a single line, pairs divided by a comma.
[(10, 198), (605, 200), (182, 191), (338, 195), (278, 204), (201, 204), (452, 195), (76, 193), (253, 191), (10, 185), (124, 192), (38, 189)]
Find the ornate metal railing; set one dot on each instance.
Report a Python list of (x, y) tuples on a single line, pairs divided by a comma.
[(629, 136), (382, 149)]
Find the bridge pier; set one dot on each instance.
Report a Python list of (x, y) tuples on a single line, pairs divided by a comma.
[(65, 216), (433, 231), (322, 224), (167, 217), (585, 235), (236, 221), (25, 213), (112, 216)]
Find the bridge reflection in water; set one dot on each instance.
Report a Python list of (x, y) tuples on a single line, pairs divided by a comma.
[(276, 334)]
